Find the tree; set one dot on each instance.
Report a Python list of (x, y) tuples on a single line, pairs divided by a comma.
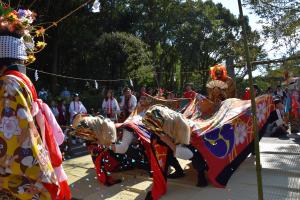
[(184, 38), (122, 55)]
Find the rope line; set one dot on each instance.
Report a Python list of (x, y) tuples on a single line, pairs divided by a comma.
[(78, 78), (67, 15)]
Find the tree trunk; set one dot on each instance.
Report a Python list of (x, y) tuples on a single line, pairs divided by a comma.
[(230, 67), (253, 104)]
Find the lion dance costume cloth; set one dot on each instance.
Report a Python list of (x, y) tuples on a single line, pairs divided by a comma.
[(224, 139)]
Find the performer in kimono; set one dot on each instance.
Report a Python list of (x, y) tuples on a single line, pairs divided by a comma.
[(219, 72), (30, 159)]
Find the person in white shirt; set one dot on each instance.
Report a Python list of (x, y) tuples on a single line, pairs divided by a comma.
[(76, 107), (128, 103), (110, 106)]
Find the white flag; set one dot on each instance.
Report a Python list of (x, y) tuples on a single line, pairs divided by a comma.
[(36, 76), (96, 6)]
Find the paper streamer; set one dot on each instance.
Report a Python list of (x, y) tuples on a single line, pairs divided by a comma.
[(36, 75), (131, 83), (96, 7), (96, 84)]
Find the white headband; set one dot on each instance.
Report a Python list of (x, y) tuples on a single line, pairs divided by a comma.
[(12, 47)]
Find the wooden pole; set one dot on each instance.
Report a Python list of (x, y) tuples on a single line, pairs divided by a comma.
[(253, 104)]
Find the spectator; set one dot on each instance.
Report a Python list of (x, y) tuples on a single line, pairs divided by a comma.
[(269, 91), (54, 109), (170, 95), (65, 94), (110, 106), (256, 90), (93, 112), (160, 93), (142, 92), (76, 107), (280, 92), (247, 95), (128, 103), (150, 91), (189, 92), (62, 112), (276, 124), (43, 94)]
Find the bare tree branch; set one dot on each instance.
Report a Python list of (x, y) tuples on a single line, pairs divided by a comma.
[(281, 60)]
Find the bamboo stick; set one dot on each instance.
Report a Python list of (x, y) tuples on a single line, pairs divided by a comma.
[(253, 104)]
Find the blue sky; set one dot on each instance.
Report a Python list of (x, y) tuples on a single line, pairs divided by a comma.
[(232, 5)]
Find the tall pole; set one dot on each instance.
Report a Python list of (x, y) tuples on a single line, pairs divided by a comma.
[(253, 104)]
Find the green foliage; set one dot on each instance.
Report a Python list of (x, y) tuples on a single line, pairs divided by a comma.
[(275, 73), (150, 41), (280, 19), (122, 55)]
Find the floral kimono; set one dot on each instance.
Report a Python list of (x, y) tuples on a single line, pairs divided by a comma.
[(26, 171)]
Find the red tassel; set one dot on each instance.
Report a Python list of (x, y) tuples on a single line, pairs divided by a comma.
[(65, 192), (54, 152), (159, 181), (52, 189)]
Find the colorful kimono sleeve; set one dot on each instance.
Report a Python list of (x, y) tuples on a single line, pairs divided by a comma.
[(25, 168)]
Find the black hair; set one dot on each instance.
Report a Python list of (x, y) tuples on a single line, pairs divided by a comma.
[(126, 88), (189, 84), (12, 34), (112, 94), (277, 101), (9, 61)]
